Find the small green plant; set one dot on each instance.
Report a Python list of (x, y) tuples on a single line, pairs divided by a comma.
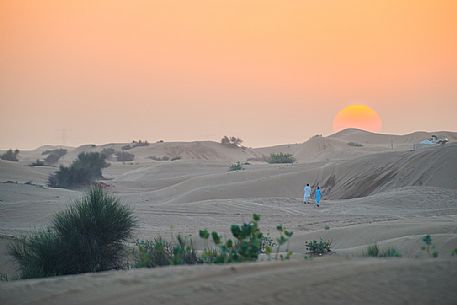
[(320, 247), (281, 158), (327, 227), (284, 237), (428, 246), (454, 252), (10, 155), (236, 167)]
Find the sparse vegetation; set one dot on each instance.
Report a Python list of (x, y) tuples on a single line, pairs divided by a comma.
[(327, 227), (87, 237), (176, 158), (246, 246), (10, 155), (372, 251), (124, 156), (281, 158), (354, 144), (236, 167), (53, 155), (390, 252), (135, 144), (283, 238), (38, 162), (82, 172), (159, 252), (375, 251), (454, 252), (320, 247), (231, 141)]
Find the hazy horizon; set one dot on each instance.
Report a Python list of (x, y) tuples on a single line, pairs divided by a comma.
[(95, 72)]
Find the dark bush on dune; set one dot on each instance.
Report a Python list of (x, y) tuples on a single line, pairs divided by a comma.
[(53, 155), (124, 156), (89, 236), (231, 141), (83, 171), (38, 162), (107, 152), (10, 155)]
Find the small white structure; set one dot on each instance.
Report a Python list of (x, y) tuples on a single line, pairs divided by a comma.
[(434, 140)]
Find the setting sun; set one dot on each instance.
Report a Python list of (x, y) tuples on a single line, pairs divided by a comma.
[(357, 116)]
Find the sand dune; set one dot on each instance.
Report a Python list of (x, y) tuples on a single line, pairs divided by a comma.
[(366, 137), (372, 194), (323, 281)]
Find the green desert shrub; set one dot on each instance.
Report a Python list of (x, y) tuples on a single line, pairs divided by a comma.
[(159, 252), (372, 251), (247, 244), (89, 236), (390, 252), (83, 171), (53, 155), (10, 155), (281, 158), (236, 167), (320, 247), (38, 162), (454, 252), (124, 156)]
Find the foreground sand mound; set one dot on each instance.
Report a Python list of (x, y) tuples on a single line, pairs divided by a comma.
[(321, 281)]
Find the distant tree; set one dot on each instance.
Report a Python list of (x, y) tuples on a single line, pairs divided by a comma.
[(232, 141), (10, 155)]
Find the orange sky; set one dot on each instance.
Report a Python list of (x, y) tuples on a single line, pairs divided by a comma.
[(269, 72)]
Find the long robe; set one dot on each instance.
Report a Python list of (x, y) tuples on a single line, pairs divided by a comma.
[(306, 193), (317, 196)]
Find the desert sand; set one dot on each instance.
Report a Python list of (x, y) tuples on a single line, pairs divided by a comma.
[(380, 192)]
